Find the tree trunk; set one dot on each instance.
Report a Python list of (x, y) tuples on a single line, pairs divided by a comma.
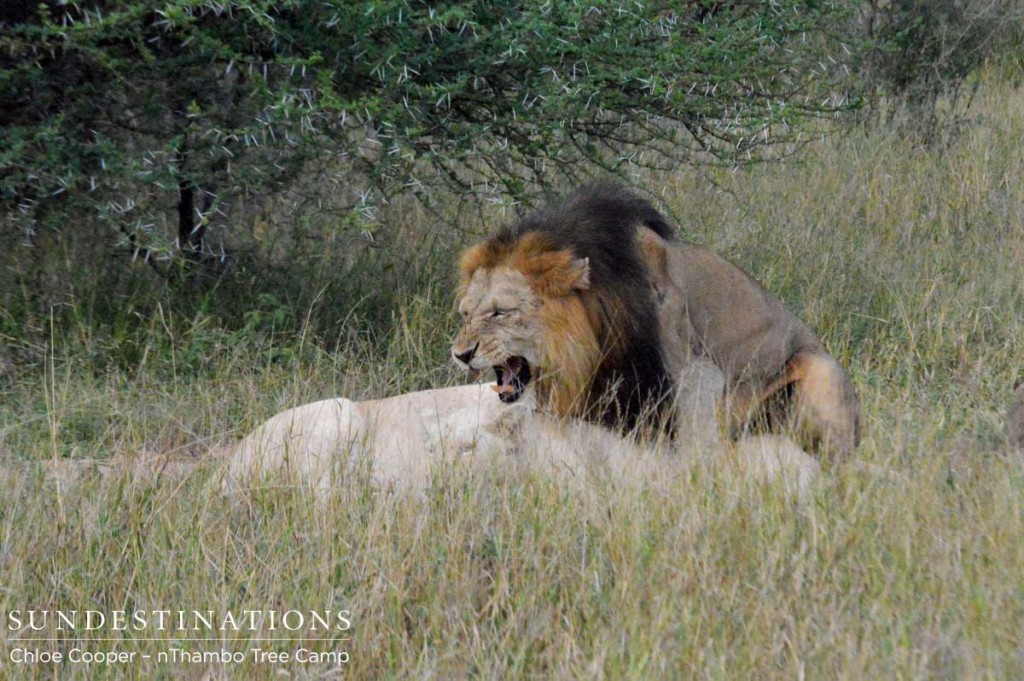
[(191, 230)]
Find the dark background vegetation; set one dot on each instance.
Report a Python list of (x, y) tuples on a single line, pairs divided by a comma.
[(259, 172)]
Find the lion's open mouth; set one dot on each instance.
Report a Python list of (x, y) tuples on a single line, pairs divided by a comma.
[(513, 377)]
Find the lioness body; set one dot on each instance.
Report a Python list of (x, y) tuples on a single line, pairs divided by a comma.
[(401, 440), (594, 302)]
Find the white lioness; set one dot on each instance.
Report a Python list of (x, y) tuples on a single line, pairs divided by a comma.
[(403, 439), (400, 438)]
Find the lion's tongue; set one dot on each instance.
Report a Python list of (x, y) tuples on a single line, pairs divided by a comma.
[(511, 370)]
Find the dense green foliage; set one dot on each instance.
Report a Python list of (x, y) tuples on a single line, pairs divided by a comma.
[(118, 111), (116, 97), (250, 157), (250, 146), (922, 49), (113, 107)]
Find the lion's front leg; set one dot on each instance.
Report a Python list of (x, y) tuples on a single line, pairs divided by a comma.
[(699, 396)]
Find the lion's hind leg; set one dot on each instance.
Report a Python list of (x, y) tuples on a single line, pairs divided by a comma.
[(825, 411)]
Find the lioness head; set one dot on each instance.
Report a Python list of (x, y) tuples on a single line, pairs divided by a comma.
[(559, 303)]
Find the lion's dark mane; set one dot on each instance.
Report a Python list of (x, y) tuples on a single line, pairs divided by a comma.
[(599, 221)]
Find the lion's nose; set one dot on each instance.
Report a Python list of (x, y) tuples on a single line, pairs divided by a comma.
[(466, 355)]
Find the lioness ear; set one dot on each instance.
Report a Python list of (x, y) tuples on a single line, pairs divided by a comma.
[(580, 269)]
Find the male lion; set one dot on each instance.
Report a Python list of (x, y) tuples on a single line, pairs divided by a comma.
[(595, 304)]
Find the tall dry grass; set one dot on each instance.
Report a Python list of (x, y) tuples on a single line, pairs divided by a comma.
[(908, 259)]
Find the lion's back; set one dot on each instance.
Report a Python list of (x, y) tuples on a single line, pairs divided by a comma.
[(746, 330)]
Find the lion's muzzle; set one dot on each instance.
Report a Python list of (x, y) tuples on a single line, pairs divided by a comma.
[(463, 355)]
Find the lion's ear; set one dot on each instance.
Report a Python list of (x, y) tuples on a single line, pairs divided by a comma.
[(580, 272), (555, 273)]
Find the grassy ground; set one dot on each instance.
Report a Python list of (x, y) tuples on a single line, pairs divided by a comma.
[(909, 260)]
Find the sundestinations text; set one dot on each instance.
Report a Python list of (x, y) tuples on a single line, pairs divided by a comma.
[(179, 620)]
